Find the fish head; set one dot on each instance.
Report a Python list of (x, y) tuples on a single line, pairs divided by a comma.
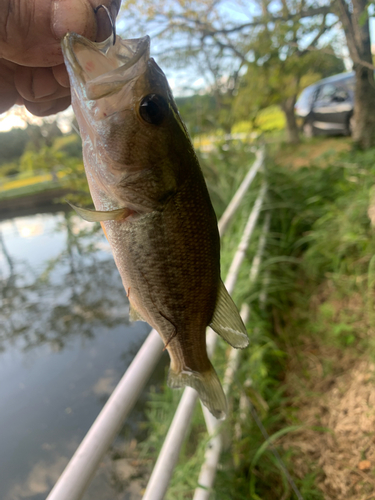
[(125, 109)]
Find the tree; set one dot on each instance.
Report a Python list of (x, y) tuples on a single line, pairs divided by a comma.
[(283, 25), (274, 36), (199, 112), (355, 21), (12, 144), (279, 82)]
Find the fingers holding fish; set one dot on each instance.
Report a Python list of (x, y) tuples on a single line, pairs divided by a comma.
[(8, 92), (38, 84), (47, 108), (31, 62), (31, 31)]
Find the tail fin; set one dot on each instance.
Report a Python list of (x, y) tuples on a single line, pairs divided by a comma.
[(208, 386)]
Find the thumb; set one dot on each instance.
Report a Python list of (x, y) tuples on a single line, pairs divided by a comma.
[(31, 30)]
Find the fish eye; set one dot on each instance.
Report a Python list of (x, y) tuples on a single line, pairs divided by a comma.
[(153, 109)]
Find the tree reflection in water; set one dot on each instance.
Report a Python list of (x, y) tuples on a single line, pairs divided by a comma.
[(75, 292)]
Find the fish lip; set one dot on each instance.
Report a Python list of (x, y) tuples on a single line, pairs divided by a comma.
[(70, 39), (68, 51)]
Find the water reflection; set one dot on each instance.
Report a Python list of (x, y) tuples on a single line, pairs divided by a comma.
[(65, 342), (51, 300)]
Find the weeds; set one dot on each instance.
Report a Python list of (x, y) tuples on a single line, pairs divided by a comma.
[(313, 329)]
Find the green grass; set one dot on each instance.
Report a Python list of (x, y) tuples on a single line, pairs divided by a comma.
[(321, 243)]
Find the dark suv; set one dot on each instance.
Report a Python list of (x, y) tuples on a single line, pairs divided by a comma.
[(327, 106)]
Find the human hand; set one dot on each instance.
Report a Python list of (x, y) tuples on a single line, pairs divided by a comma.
[(32, 71)]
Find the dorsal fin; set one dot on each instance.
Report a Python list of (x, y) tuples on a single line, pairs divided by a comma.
[(227, 321)]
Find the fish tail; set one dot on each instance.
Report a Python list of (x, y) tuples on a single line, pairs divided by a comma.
[(208, 386)]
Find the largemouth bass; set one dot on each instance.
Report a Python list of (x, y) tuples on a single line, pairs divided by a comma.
[(152, 201)]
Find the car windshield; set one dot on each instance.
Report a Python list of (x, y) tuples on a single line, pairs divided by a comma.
[(303, 104)]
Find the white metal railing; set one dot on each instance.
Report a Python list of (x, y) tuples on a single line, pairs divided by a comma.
[(162, 473), (75, 478), (208, 471)]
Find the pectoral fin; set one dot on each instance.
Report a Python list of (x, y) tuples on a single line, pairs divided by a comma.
[(227, 321), (99, 216)]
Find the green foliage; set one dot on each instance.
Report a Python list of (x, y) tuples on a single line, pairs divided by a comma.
[(9, 168), (70, 145), (277, 79), (219, 46), (224, 168), (198, 112), (45, 159), (267, 120), (47, 152), (12, 145)]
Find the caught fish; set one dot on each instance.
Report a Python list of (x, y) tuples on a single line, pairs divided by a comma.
[(152, 202)]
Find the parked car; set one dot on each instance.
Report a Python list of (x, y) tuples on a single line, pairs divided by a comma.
[(327, 106)]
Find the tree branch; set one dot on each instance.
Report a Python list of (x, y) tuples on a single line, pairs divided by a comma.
[(358, 60)]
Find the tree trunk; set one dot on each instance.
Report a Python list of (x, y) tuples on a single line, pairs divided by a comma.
[(291, 125), (363, 125), (357, 34)]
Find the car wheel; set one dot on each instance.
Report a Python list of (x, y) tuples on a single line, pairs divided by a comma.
[(308, 130)]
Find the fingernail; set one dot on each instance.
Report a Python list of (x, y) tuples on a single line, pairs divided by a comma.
[(74, 16)]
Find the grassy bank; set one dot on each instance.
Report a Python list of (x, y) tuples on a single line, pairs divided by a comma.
[(327, 328), (309, 371)]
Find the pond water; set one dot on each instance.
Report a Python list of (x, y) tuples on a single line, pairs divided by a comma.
[(65, 342)]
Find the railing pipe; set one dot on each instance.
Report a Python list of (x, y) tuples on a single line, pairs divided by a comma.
[(168, 456), (213, 450), (163, 470), (241, 191), (208, 471), (250, 226), (79, 471)]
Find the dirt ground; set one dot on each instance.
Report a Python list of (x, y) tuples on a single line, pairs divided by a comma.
[(333, 393)]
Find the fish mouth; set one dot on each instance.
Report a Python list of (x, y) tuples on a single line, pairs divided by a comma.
[(102, 68)]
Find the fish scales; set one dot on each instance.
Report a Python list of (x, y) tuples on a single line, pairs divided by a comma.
[(174, 277), (152, 201)]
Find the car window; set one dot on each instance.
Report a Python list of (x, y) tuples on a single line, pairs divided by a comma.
[(333, 93), (326, 92), (306, 96), (341, 94)]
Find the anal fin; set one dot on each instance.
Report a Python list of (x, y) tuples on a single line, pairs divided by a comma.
[(208, 386), (227, 321)]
